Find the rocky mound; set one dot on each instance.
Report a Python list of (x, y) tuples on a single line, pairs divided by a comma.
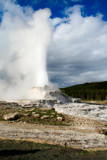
[(48, 93), (46, 96)]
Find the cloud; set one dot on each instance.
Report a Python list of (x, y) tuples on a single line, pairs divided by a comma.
[(78, 52)]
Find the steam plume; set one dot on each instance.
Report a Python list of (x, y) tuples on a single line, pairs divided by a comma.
[(24, 39)]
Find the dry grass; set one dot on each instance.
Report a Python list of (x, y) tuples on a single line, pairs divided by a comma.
[(96, 102)]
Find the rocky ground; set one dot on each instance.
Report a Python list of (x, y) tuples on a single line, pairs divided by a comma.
[(63, 135), (47, 125), (97, 112)]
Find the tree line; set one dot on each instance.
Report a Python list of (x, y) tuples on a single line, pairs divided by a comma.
[(88, 91)]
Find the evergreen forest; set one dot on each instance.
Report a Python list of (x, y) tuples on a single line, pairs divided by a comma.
[(88, 91)]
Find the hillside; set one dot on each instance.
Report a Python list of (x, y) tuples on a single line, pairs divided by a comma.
[(88, 91)]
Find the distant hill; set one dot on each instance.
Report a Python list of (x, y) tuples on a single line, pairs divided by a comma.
[(89, 91)]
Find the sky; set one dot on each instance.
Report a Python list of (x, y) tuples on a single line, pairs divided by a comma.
[(78, 51), (92, 7)]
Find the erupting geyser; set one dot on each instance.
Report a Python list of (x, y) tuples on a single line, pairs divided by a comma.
[(25, 37)]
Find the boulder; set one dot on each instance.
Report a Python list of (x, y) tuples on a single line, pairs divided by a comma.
[(29, 110), (45, 108), (11, 116), (76, 100), (35, 115), (26, 114), (45, 117), (52, 116), (60, 118)]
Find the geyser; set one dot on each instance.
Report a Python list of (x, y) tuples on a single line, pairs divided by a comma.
[(25, 37)]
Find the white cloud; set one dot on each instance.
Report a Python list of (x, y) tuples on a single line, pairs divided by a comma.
[(78, 53)]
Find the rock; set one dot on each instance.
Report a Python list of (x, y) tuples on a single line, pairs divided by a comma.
[(45, 117), (9, 104), (26, 114), (45, 108), (103, 131), (53, 113), (53, 109), (52, 116), (11, 116), (35, 115), (60, 118), (29, 110), (76, 100)]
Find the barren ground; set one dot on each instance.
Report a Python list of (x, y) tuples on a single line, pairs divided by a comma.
[(75, 132)]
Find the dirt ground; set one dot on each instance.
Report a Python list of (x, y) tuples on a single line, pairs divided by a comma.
[(74, 132)]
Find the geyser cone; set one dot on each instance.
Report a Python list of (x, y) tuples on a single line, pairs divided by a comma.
[(47, 93)]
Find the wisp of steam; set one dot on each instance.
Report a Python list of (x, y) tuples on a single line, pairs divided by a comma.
[(25, 36)]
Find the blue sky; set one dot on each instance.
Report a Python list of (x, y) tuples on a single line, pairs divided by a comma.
[(78, 51), (91, 7)]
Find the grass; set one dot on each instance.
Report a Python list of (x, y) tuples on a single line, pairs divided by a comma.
[(28, 117), (22, 150), (95, 101)]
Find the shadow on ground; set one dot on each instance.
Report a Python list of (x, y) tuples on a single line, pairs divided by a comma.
[(17, 152)]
